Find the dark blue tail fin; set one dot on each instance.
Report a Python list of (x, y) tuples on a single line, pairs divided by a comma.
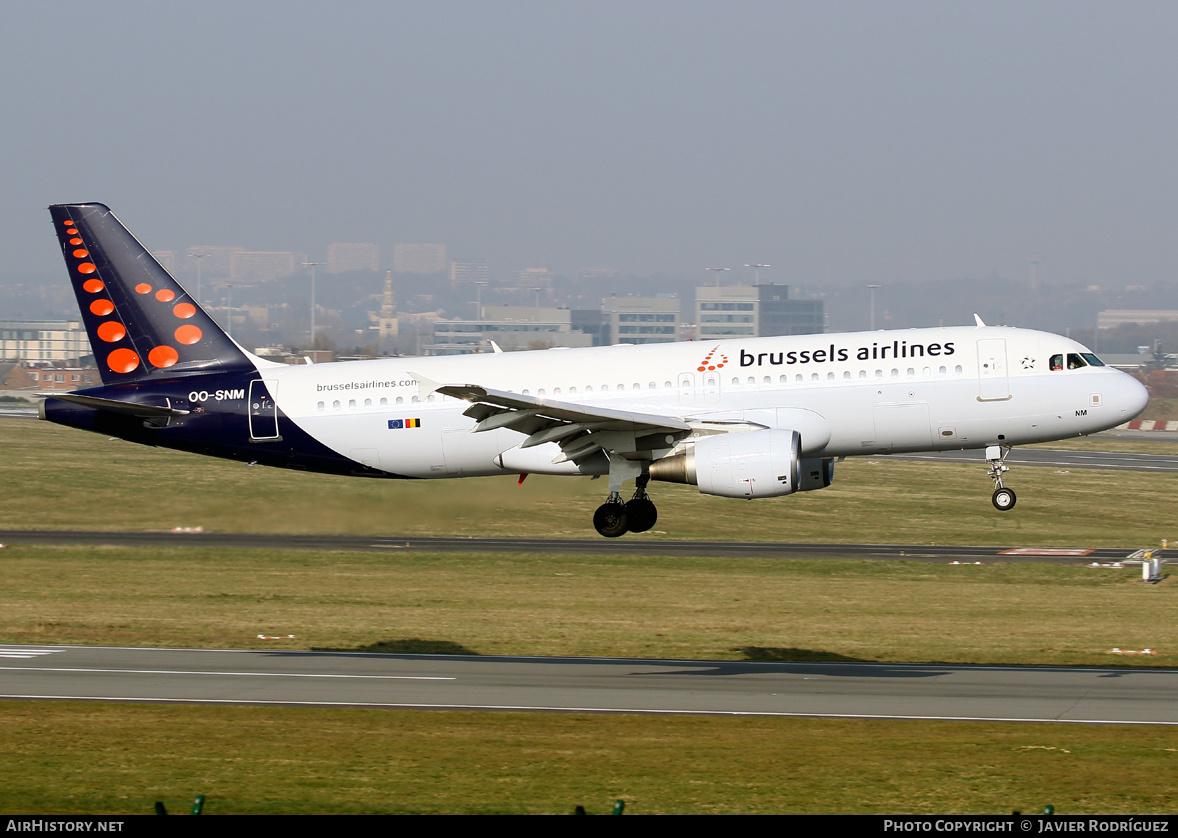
[(141, 323)]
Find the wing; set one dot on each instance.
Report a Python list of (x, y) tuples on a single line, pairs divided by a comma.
[(580, 430)]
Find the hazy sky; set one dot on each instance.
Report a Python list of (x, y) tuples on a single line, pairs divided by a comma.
[(839, 141)]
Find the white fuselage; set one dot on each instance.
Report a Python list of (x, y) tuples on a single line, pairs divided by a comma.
[(847, 394)]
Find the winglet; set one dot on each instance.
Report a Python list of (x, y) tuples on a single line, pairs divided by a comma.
[(977, 318), (425, 386)]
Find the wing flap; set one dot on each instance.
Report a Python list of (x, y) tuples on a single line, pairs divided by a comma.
[(580, 430)]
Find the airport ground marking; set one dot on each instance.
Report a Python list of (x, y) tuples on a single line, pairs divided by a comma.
[(213, 672), (523, 708)]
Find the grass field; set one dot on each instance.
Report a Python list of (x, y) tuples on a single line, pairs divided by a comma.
[(60, 478), (1160, 409), (89, 758), (103, 759), (616, 605)]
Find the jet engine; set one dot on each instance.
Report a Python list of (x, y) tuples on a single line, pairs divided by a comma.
[(749, 464)]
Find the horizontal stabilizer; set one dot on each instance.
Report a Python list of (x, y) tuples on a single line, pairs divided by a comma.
[(116, 406)]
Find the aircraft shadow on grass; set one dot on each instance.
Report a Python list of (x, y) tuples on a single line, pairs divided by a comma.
[(406, 646), (792, 654)]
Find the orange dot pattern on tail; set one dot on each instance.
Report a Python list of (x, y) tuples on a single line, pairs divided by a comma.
[(125, 360)]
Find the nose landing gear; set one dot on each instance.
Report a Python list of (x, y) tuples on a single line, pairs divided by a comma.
[(1003, 499)]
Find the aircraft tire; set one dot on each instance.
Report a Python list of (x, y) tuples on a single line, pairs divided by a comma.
[(1004, 499), (641, 514), (611, 520)]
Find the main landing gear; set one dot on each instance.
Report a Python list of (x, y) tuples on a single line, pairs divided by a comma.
[(1003, 499), (616, 518)]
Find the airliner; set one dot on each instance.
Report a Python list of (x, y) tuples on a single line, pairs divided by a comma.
[(738, 417)]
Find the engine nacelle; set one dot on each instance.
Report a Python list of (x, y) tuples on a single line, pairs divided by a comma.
[(749, 464)]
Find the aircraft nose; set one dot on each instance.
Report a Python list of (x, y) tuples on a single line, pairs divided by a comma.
[(1132, 397)]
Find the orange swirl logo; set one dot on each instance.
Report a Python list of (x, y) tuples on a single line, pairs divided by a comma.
[(710, 362)]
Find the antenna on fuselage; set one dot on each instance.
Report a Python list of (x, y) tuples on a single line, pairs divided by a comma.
[(977, 318)]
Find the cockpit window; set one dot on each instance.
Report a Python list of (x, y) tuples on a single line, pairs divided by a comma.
[(1092, 359), (1075, 361), (1056, 362)]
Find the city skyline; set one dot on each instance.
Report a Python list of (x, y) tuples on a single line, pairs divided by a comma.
[(841, 143)]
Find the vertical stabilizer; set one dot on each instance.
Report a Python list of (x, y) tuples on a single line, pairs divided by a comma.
[(141, 322)]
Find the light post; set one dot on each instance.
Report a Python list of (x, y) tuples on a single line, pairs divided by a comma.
[(716, 273), (872, 287), (757, 268), (198, 257), (312, 266), (479, 283)]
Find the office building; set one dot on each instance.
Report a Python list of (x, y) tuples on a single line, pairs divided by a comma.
[(641, 319), (43, 341), (345, 257), (729, 311), (419, 258)]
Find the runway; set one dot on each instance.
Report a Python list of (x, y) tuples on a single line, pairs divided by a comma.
[(569, 546), (590, 685), (833, 690), (1056, 458)]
